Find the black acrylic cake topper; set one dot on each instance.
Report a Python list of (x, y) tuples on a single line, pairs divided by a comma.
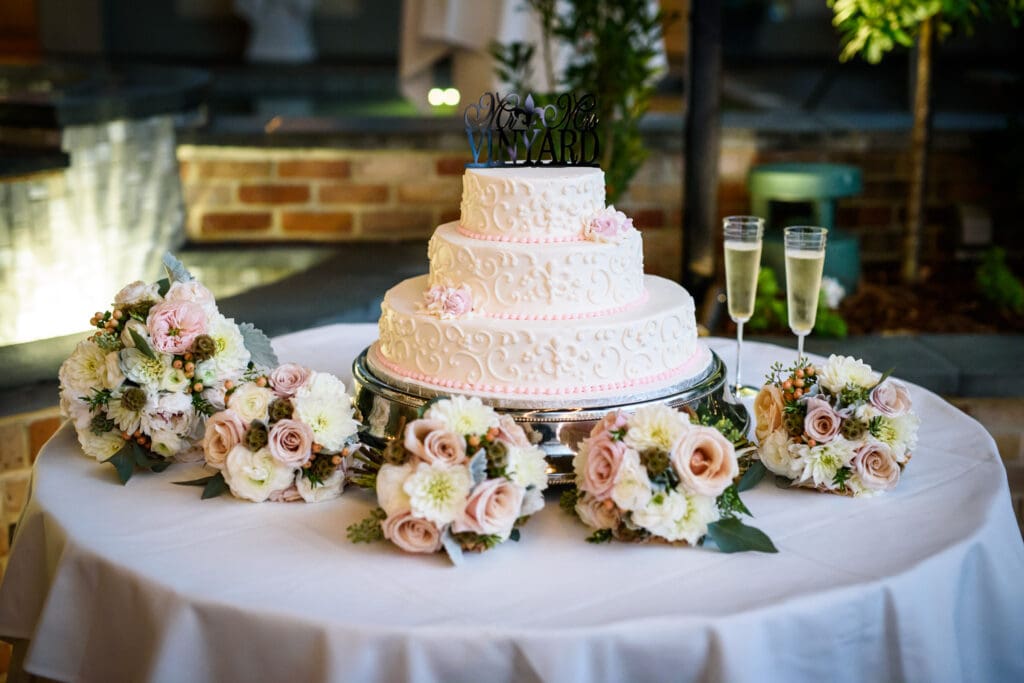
[(507, 131)]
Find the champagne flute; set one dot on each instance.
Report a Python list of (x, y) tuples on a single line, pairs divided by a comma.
[(742, 242), (805, 260)]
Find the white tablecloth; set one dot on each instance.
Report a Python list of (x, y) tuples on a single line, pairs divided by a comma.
[(148, 582)]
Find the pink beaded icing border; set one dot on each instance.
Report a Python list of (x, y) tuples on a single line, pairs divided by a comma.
[(527, 240), (568, 316), (534, 391)]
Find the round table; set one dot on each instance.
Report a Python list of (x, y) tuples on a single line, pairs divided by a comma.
[(148, 582)]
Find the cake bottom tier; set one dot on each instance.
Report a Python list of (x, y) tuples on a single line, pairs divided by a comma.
[(651, 345)]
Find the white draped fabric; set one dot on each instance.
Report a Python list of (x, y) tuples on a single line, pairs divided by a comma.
[(148, 582)]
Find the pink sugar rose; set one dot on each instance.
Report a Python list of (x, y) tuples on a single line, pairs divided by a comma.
[(876, 466), (288, 378), (821, 422), (448, 302), (705, 461), (412, 534), (291, 442), (608, 225), (604, 459), (511, 433), (891, 397), (174, 325), (224, 431), (492, 509)]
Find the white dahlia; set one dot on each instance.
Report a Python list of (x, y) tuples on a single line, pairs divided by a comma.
[(842, 371), (821, 463), (632, 488), (463, 415), (127, 414), (899, 434), (84, 370), (527, 467), (144, 370), (678, 516), (231, 357), (100, 446), (323, 405), (438, 492), (329, 489), (655, 427)]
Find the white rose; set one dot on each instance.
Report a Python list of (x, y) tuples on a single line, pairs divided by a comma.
[(841, 371), (774, 453), (329, 489), (172, 413), (112, 375), (251, 402), (677, 516), (139, 328), (167, 443), (632, 488), (174, 379), (136, 292), (391, 497), (255, 476)]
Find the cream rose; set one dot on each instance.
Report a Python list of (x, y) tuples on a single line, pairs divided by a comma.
[(768, 411), (288, 378), (224, 431), (391, 497), (137, 291), (876, 466), (774, 453), (705, 461), (891, 398), (329, 489), (256, 476), (597, 514), (492, 509), (604, 458), (412, 534), (291, 441), (251, 402), (821, 422)]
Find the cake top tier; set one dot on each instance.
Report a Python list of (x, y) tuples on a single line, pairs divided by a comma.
[(530, 204)]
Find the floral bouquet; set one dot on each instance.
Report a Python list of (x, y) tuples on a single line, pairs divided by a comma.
[(140, 388), (841, 428), (656, 476), (462, 478), (284, 436)]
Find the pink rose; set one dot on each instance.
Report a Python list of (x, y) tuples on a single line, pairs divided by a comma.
[(876, 466), (289, 495), (174, 325), (611, 422), (705, 461), (288, 378), (412, 534), (768, 410), (511, 433), (608, 225), (192, 291), (224, 431), (891, 398), (597, 514), (604, 459), (291, 442), (415, 432), (444, 446), (492, 509), (821, 422)]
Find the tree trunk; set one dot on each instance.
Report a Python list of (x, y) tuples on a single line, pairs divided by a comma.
[(910, 270), (701, 135)]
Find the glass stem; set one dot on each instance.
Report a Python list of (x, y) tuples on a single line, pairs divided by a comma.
[(800, 346), (739, 353)]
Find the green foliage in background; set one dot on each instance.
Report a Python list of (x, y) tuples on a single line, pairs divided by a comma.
[(997, 284), (871, 28), (613, 46), (772, 314)]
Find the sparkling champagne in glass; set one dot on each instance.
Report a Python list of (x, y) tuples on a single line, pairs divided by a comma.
[(805, 260), (741, 236)]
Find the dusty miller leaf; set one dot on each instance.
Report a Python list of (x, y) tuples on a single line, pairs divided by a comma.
[(176, 270), (261, 351)]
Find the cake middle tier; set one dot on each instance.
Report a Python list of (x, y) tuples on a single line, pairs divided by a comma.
[(651, 344), (551, 282)]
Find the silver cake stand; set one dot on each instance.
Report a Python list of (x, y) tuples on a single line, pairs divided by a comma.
[(384, 405)]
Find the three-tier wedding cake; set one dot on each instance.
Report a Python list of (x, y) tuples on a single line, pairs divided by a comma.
[(537, 292)]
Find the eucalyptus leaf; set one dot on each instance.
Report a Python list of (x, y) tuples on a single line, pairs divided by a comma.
[(141, 344), (261, 351), (752, 477), (452, 547), (733, 536), (176, 270), (124, 462), (478, 467)]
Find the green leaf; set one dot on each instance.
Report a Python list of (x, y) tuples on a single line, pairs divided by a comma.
[(567, 501), (261, 351), (149, 461), (124, 462), (141, 345), (752, 477), (733, 536), (213, 486), (176, 270), (514, 535), (600, 536), (163, 285), (369, 529)]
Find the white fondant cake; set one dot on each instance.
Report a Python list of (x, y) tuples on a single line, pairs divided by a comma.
[(538, 291)]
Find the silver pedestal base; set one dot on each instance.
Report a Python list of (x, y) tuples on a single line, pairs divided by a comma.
[(384, 407)]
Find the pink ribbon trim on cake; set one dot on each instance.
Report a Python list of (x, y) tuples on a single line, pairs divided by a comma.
[(534, 391), (524, 240), (568, 316)]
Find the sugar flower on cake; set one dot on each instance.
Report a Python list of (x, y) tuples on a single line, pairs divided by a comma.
[(656, 476), (447, 301), (608, 225), (285, 435), (139, 389), (460, 478), (840, 427)]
